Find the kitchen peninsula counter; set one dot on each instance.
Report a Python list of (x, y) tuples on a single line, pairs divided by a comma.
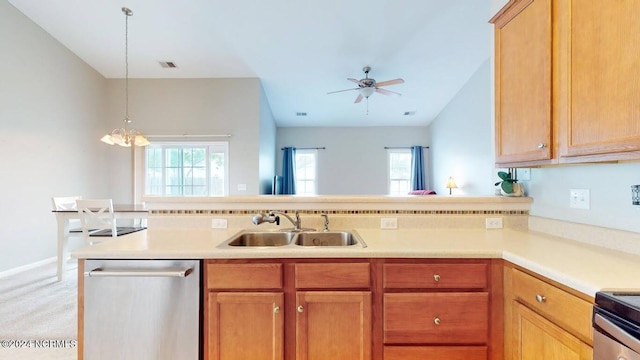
[(585, 268)]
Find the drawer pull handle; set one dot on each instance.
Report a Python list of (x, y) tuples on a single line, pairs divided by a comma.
[(436, 277), (300, 308), (540, 298), (276, 309), (542, 145), (436, 321)]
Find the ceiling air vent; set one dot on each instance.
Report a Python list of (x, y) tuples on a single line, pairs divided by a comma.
[(301, 113), (168, 64), (409, 113)]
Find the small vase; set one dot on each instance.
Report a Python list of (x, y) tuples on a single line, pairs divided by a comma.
[(518, 190)]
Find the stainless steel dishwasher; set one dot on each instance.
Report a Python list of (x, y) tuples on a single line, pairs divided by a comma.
[(142, 309)]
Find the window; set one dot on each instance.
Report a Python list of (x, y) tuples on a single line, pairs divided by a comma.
[(306, 165), (186, 169), (399, 171)]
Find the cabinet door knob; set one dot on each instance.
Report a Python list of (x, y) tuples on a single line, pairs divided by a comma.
[(436, 321), (300, 308), (276, 309), (436, 277), (540, 298), (542, 146)]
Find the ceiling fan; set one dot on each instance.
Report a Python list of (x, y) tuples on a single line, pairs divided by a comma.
[(368, 86)]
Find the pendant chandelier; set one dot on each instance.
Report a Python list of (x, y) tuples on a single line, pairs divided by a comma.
[(125, 136)]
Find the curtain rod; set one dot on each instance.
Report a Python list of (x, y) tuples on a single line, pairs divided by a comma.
[(190, 136), (402, 147), (310, 148)]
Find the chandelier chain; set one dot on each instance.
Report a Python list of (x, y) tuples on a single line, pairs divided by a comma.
[(126, 65)]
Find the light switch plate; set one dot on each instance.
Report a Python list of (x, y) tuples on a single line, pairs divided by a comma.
[(524, 174), (218, 223), (389, 223), (579, 199), (493, 223)]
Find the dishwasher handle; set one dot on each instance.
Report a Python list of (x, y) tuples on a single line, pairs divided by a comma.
[(166, 272)]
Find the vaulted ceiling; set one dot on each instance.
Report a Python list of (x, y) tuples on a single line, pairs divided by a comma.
[(300, 49)]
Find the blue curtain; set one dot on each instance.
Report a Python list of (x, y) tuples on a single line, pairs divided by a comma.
[(417, 169), (289, 171)]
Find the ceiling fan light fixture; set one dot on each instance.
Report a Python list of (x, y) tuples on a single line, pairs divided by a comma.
[(367, 91), (123, 136)]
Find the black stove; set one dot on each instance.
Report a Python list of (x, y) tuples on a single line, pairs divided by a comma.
[(624, 305)]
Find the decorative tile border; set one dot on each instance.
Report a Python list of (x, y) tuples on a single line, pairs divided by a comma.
[(344, 212)]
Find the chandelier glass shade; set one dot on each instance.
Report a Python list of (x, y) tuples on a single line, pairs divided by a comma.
[(125, 136)]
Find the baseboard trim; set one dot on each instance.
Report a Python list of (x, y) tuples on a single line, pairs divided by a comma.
[(27, 267)]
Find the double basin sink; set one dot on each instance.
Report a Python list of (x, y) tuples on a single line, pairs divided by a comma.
[(298, 238)]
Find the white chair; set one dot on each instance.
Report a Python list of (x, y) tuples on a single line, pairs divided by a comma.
[(96, 218), (68, 203)]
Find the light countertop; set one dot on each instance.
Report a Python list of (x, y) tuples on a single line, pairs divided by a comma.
[(585, 268)]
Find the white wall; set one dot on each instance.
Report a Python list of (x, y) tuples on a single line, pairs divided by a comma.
[(461, 144), (354, 161), (610, 193), (51, 117), (196, 107), (267, 145)]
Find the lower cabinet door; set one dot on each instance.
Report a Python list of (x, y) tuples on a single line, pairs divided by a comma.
[(537, 338), (435, 352), (245, 326), (333, 325)]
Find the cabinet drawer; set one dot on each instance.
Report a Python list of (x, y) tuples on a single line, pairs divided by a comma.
[(244, 276), (436, 318), (438, 276), (332, 276), (435, 352), (566, 310)]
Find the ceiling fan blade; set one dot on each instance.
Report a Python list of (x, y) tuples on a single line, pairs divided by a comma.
[(358, 99), (333, 92), (356, 81), (390, 82), (388, 92)]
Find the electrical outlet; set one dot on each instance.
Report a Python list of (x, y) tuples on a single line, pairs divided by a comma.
[(218, 223), (579, 199), (493, 223), (242, 187), (389, 223)]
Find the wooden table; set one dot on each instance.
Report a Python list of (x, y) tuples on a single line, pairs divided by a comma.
[(121, 211)]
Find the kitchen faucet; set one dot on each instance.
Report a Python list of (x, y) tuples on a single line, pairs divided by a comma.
[(326, 222), (273, 218)]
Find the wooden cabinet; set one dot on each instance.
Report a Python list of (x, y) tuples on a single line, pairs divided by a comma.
[(333, 325), (537, 338), (599, 97), (353, 309), (246, 326), (566, 87), (244, 316), (436, 309), (545, 321), (523, 82), (288, 309)]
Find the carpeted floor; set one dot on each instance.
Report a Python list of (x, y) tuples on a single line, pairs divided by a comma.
[(38, 315)]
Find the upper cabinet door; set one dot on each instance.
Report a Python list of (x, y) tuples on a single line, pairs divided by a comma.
[(599, 98), (523, 82)]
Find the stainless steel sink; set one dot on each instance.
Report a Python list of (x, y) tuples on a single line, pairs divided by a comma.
[(331, 238), (298, 239), (262, 238)]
